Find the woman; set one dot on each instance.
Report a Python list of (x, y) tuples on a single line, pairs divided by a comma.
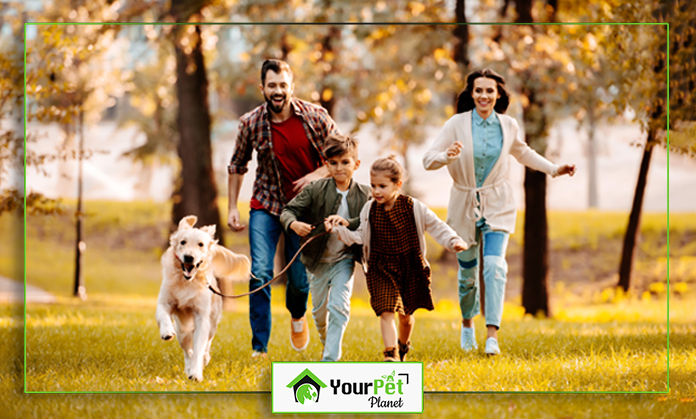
[(474, 145)]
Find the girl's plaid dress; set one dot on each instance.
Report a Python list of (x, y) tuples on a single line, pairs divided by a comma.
[(398, 278)]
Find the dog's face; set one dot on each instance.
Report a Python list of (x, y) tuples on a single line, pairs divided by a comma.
[(192, 245)]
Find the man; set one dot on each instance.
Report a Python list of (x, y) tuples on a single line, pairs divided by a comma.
[(288, 135)]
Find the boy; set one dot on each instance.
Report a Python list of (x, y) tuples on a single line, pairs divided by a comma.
[(328, 261)]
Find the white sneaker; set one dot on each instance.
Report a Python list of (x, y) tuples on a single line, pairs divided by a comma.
[(259, 355), (468, 339), (492, 347)]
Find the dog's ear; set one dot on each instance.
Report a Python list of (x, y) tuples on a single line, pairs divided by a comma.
[(187, 222), (209, 229)]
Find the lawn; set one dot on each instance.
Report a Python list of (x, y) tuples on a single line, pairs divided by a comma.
[(597, 340), (115, 346)]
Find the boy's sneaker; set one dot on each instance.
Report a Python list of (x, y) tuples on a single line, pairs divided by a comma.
[(492, 347), (259, 355), (468, 339), (299, 334), (403, 350), (391, 354)]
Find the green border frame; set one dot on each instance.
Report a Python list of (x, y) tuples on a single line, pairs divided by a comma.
[(350, 413), (24, 120)]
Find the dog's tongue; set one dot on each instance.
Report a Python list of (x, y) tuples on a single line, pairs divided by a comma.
[(188, 267)]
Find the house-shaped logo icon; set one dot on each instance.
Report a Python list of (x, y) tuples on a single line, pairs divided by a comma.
[(306, 387)]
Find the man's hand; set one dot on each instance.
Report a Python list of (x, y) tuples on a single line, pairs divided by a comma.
[(460, 246), (454, 150), (233, 221), (320, 173), (566, 169), (302, 229)]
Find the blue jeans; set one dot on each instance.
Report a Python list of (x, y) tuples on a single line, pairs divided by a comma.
[(331, 285), (264, 232), (494, 274)]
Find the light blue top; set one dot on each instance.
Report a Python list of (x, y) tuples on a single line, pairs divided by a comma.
[(488, 143)]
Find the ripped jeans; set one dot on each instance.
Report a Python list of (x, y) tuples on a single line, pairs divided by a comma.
[(494, 274)]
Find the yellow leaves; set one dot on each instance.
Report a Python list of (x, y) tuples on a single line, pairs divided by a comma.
[(416, 8), (424, 96), (681, 287), (440, 53), (326, 95), (525, 101), (244, 57)]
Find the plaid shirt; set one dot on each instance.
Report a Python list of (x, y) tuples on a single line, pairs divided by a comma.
[(255, 134)]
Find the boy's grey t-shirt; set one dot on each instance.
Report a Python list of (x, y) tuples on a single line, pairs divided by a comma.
[(335, 249)]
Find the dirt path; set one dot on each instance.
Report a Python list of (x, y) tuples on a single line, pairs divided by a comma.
[(12, 291)]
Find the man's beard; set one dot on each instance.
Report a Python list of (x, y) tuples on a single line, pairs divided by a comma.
[(273, 107)]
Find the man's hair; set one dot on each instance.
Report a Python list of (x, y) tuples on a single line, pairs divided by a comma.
[(466, 103), (338, 145), (277, 66)]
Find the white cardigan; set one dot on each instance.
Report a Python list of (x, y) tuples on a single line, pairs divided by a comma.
[(497, 204), (426, 220)]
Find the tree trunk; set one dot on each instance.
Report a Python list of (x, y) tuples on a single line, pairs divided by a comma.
[(461, 36), (79, 289), (629, 244), (593, 198), (535, 297), (195, 192), (329, 46), (524, 11)]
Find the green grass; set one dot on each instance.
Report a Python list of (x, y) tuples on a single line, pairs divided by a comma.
[(105, 344), (114, 346), (597, 340)]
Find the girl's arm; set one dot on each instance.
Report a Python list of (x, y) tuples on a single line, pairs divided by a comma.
[(349, 237), (441, 232), (437, 156)]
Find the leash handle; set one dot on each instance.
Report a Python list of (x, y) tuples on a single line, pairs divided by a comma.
[(275, 277)]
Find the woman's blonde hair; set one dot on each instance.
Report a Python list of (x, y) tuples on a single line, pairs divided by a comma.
[(390, 166)]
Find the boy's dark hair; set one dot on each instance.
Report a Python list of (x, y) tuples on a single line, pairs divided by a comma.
[(338, 145), (466, 103), (277, 66)]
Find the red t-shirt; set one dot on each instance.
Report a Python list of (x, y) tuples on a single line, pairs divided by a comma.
[(295, 155)]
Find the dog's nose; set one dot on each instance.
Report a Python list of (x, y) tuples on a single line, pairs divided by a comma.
[(188, 259)]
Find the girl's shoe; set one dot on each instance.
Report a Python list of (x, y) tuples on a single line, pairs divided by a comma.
[(468, 339), (403, 350), (492, 347), (391, 354)]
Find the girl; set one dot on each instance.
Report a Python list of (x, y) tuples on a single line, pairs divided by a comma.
[(392, 228), (474, 145)]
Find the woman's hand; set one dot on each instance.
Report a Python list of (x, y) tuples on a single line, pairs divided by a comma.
[(460, 246), (302, 229), (454, 150), (566, 169)]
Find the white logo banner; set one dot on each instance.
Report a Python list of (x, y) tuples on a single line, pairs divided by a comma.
[(347, 387)]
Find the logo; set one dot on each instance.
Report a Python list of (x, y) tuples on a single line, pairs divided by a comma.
[(306, 387), (347, 387)]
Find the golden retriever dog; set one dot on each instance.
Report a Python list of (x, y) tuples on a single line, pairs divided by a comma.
[(192, 262)]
